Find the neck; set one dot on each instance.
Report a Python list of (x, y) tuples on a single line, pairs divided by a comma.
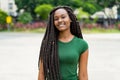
[(65, 36)]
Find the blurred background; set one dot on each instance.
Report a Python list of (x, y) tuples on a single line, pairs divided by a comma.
[(22, 27), (27, 15)]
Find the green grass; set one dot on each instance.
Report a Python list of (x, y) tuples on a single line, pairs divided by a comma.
[(100, 30), (85, 30), (40, 30)]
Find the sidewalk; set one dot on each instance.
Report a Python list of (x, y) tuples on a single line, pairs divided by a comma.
[(19, 56), (114, 36)]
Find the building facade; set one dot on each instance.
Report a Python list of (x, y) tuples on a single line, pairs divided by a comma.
[(9, 7)]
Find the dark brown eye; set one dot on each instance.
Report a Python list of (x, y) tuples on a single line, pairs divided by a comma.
[(63, 17), (55, 19)]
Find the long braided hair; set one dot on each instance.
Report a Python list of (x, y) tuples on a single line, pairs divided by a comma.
[(49, 46)]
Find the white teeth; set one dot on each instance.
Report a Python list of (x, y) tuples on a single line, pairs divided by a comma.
[(61, 25)]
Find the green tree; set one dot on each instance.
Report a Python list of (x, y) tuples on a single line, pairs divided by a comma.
[(89, 6), (3, 16), (25, 17), (76, 3), (106, 3), (43, 11), (27, 5), (81, 14)]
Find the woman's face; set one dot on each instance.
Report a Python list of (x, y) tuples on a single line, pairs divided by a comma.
[(62, 20)]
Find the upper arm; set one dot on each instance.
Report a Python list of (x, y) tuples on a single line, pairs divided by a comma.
[(41, 71), (83, 61)]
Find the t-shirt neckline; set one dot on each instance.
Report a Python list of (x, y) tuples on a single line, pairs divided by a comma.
[(68, 41)]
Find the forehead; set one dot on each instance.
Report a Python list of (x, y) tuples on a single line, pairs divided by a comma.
[(60, 12)]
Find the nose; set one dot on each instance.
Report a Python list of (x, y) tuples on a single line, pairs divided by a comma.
[(60, 20)]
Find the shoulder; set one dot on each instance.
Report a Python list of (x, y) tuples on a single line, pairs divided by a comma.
[(82, 43)]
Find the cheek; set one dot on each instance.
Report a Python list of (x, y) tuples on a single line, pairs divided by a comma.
[(55, 23), (68, 23)]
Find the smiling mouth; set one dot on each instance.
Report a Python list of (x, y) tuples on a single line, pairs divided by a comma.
[(61, 25)]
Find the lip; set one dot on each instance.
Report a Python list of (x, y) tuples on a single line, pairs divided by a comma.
[(61, 25)]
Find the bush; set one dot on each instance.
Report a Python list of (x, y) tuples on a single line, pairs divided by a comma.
[(3, 16), (34, 25), (81, 14), (43, 11), (25, 18)]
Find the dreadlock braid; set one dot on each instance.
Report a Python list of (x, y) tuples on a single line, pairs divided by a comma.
[(49, 46)]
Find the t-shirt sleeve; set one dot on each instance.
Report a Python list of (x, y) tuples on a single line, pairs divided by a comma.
[(84, 45)]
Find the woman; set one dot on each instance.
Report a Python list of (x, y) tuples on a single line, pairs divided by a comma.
[(64, 53)]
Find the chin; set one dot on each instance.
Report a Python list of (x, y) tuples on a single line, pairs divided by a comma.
[(61, 29)]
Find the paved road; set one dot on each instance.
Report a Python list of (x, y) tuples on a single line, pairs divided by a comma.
[(104, 57), (19, 55)]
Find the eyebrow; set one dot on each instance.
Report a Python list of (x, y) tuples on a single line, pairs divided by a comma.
[(60, 15)]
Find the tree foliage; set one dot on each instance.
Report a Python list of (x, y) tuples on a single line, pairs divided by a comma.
[(90, 6), (25, 17), (43, 10), (3, 16), (81, 14), (27, 5)]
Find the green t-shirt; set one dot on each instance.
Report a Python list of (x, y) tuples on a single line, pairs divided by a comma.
[(69, 53)]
